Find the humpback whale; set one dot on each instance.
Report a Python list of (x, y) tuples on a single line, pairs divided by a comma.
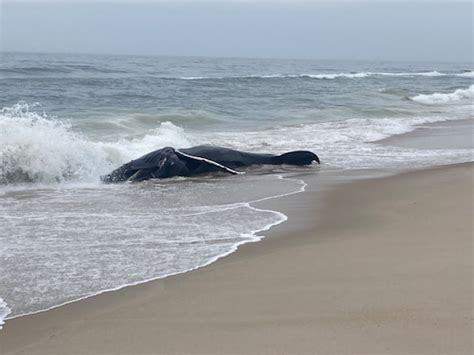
[(168, 162)]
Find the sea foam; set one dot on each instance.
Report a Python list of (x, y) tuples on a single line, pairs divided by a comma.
[(38, 148), (107, 237), (443, 98), (467, 74), (4, 312), (330, 76)]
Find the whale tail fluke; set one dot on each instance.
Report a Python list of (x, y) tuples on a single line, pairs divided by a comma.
[(299, 157)]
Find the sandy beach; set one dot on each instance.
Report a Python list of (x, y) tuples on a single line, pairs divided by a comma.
[(385, 269)]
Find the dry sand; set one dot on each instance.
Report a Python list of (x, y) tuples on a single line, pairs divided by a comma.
[(387, 269)]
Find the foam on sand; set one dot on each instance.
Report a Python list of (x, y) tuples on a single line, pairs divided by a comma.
[(4, 312)]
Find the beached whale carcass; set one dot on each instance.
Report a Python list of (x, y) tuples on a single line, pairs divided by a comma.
[(168, 162)]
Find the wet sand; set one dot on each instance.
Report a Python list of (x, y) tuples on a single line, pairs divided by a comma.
[(386, 268)]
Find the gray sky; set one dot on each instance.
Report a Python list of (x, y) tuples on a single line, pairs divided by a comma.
[(390, 30)]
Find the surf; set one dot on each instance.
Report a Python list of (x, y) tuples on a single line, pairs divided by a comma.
[(445, 98), (36, 148)]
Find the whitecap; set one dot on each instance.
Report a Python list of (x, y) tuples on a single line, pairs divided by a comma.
[(468, 74), (38, 148), (443, 98), (328, 76)]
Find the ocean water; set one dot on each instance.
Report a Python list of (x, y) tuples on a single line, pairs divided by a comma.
[(67, 119)]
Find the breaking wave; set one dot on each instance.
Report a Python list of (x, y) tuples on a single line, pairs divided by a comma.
[(467, 74), (332, 76), (323, 136), (37, 148), (443, 98)]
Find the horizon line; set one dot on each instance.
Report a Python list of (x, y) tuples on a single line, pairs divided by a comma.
[(469, 61)]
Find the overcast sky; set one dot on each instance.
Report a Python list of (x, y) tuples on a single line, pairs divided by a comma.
[(389, 30)]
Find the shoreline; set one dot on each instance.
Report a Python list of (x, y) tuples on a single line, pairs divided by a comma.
[(353, 175), (293, 234), (256, 234)]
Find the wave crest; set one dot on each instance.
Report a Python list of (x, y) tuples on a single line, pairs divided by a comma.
[(442, 98), (467, 74), (328, 76), (36, 148)]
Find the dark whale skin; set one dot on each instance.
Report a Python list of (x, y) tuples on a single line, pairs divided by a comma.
[(168, 162)]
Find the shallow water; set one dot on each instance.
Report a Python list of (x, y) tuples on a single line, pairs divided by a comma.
[(65, 242)]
